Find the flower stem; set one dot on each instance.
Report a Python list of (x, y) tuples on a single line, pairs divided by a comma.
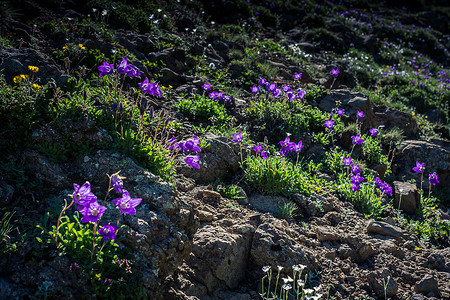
[(59, 218)]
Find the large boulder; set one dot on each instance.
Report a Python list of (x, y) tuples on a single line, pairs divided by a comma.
[(393, 118), (219, 160), (436, 156), (351, 103), (16, 62)]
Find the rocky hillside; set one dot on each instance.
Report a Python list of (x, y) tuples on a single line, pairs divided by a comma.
[(190, 149)]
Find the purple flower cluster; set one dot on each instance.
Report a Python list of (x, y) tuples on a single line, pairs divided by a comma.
[(150, 88), (92, 211), (260, 150), (189, 145), (356, 178), (274, 91), (132, 71), (216, 96), (384, 187), (288, 146)]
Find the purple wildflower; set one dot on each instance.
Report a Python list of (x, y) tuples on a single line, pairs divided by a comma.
[(356, 169), (286, 142), (237, 138), (74, 267), (297, 76), (419, 168), (334, 72), (373, 132), (360, 114), (265, 154), (258, 148), (91, 212), (122, 68), (298, 147), (329, 124), (291, 96), (276, 93), (356, 179), (272, 87), (193, 145), (171, 144), (133, 71), (340, 112), (388, 190), (126, 204), (150, 88), (83, 195), (285, 88), (255, 89), (108, 232), (105, 69), (193, 161), (433, 178), (301, 93), (206, 86), (355, 187), (357, 140), (262, 81), (117, 183), (347, 161)]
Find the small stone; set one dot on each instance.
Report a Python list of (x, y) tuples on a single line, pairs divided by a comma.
[(426, 285), (86, 159), (406, 196), (211, 194), (205, 216), (384, 228), (382, 283)]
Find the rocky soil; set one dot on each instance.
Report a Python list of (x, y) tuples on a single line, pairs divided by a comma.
[(188, 241)]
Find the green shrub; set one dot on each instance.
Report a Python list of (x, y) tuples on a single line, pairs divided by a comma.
[(201, 109)]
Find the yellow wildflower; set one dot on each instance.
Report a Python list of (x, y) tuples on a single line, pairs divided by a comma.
[(33, 69), (426, 117), (82, 47), (65, 47), (17, 79), (24, 76), (36, 86), (413, 114), (170, 87)]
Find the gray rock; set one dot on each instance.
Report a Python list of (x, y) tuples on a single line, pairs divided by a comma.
[(383, 283), (138, 44), (173, 58), (16, 62), (428, 284), (161, 232), (219, 160), (275, 244), (267, 203), (52, 175), (384, 228), (393, 118), (351, 103), (219, 256), (406, 197)]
